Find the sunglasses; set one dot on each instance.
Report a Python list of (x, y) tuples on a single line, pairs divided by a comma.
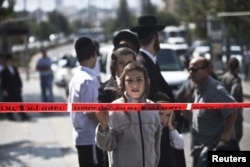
[(195, 69)]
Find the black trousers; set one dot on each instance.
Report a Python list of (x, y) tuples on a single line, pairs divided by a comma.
[(86, 158)]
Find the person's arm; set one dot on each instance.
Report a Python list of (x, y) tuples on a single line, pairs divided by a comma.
[(236, 90), (105, 137), (226, 134), (103, 118), (89, 94), (176, 139), (4, 83)]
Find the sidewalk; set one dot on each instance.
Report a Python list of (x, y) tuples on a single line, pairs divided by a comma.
[(45, 140)]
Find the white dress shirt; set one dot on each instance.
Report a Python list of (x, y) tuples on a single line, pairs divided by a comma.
[(152, 57), (83, 87)]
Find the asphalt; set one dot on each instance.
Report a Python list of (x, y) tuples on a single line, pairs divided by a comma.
[(45, 139)]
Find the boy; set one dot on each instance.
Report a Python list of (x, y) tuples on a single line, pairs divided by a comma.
[(83, 87)]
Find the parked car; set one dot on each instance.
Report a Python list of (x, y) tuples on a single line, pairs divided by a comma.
[(172, 69), (60, 71), (200, 48), (66, 67), (179, 45)]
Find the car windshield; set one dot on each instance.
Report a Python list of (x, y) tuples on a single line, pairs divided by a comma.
[(181, 52), (235, 52), (169, 61)]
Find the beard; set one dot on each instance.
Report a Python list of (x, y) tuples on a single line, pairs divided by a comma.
[(157, 44)]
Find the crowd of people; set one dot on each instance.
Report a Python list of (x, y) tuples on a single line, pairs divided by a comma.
[(139, 138), (149, 138)]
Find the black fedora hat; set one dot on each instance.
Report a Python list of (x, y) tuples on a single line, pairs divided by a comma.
[(126, 34), (147, 23)]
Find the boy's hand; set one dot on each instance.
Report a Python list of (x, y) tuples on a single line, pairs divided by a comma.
[(170, 125), (103, 118)]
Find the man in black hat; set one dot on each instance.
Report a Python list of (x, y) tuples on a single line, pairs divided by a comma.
[(12, 86), (148, 34)]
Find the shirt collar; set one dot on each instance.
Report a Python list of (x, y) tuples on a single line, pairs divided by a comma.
[(151, 56), (89, 70), (132, 100)]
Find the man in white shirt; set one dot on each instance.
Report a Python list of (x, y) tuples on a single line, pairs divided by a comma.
[(83, 88)]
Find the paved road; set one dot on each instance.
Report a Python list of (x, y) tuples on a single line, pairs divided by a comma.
[(46, 140)]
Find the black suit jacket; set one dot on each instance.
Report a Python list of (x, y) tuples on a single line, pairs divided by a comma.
[(157, 82), (12, 84)]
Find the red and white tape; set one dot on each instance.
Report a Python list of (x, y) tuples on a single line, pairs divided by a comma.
[(80, 107)]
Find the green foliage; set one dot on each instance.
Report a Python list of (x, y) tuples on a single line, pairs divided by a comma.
[(239, 26), (196, 11), (123, 16), (167, 19), (6, 11), (60, 23), (125, 19), (44, 30), (75, 25), (148, 7)]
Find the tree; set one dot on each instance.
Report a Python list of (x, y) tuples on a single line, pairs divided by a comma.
[(124, 17), (60, 22), (44, 30), (6, 11), (237, 25), (196, 11), (148, 7), (167, 19)]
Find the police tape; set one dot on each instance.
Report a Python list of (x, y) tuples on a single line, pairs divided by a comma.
[(90, 107)]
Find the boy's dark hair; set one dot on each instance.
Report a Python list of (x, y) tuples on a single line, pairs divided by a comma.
[(84, 48)]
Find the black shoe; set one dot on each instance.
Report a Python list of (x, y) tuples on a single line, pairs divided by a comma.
[(10, 117), (25, 117)]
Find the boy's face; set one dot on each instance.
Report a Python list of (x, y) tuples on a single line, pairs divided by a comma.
[(122, 60), (164, 116), (135, 84)]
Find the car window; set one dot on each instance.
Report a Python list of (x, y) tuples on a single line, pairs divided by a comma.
[(235, 52), (169, 61), (181, 52)]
